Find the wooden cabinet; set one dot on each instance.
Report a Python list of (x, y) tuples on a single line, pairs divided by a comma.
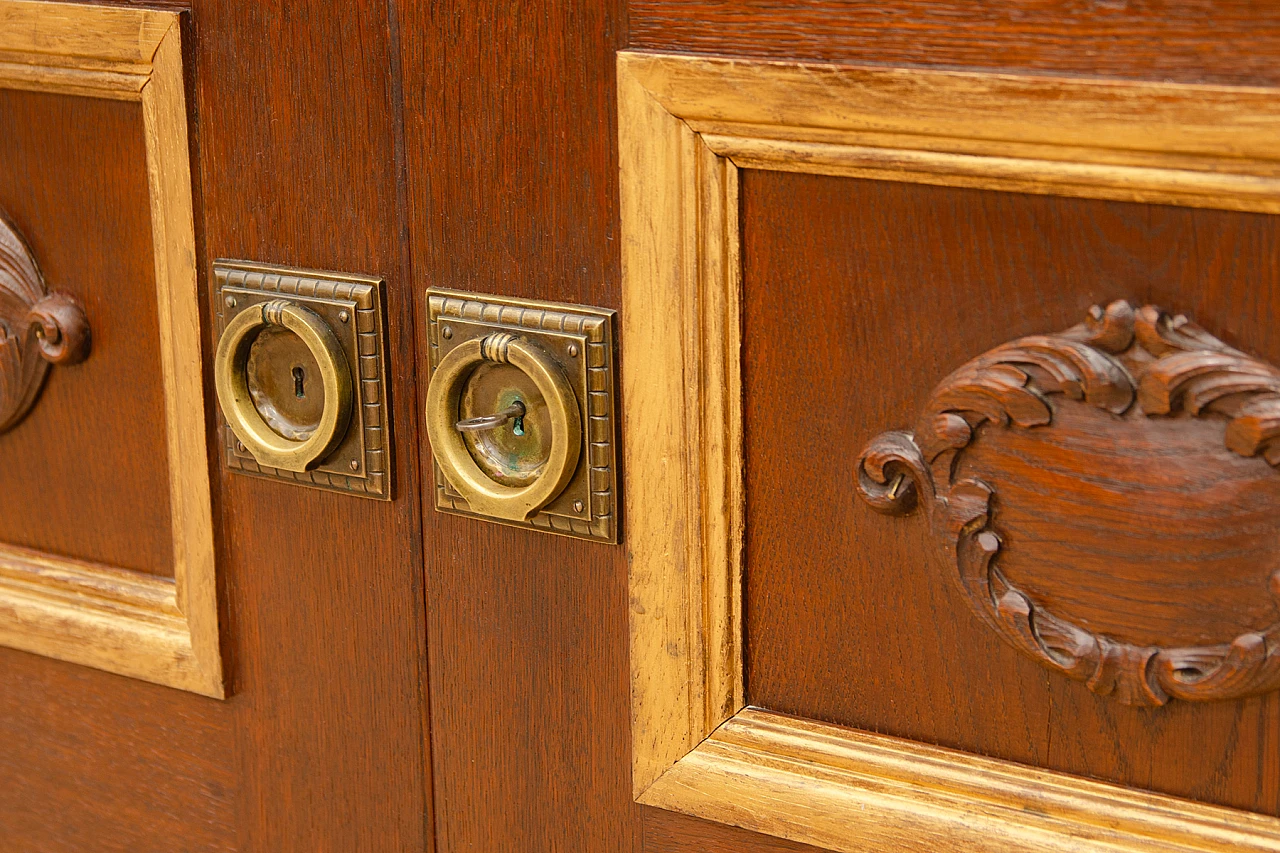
[(946, 372)]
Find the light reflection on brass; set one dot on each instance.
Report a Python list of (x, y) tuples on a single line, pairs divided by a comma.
[(476, 425), (284, 382), (481, 486), (231, 377), (513, 454), (285, 378)]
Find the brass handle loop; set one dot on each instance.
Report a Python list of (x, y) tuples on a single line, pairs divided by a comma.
[(232, 382), (483, 494)]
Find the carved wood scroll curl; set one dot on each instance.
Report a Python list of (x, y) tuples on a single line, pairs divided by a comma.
[(1118, 359), (37, 328)]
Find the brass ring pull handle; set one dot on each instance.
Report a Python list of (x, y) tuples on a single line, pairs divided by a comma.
[(267, 446), (37, 328), (485, 495)]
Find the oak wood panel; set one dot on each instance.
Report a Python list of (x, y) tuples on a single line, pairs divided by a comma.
[(301, 165), (672, 832), (324, 594), (92, 450), (1104, 522), (324, 734), (849, 616), (94, 761), (513, 190), (1186, 40)]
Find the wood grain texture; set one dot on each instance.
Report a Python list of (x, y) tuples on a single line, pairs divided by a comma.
[(91, 759), (849, 791), (78, 34), (323, 744), (98, 51), (186, 652), (1203, 146), (681, 409), (904, 278), (75, 185), (670, 107), (164, 123), (509, 132), (1133, 548), (324, 591), (672, 832), (1141, 39), (95, 761)]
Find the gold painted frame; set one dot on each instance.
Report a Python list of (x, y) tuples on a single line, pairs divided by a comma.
[(159, 630), (687, 124)]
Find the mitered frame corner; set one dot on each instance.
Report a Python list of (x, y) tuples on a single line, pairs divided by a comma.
[(687, 125)]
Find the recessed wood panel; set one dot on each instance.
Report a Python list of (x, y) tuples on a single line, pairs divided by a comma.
[(92, 452), (859, 297)]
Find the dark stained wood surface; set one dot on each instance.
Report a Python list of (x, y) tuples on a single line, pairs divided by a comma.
[(1098, 492), (93, 761), (860, 297), (91, 454), (1149, 528), (1188, 41), (500, 176), (322, 744), (300, 165), (511, 141)]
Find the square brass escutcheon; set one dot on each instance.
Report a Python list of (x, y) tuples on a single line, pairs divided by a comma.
[(352, 307), (579, 340)]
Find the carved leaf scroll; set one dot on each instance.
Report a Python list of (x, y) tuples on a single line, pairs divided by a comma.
[(1117, 359), (37, 328)]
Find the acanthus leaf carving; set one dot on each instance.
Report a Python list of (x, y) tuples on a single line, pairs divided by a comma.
[(37, 328), (1116, 358)]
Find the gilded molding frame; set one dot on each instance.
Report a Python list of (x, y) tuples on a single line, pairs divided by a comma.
[(687, 124), (155, 629)]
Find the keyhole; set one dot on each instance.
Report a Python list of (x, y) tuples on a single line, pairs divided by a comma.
[(299, 378), (517, 425)]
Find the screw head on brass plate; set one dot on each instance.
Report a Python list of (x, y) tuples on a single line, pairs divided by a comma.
[(522, 425), (286, 388)]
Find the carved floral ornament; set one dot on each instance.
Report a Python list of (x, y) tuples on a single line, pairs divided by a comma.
[(37, 328), (1105, 575)]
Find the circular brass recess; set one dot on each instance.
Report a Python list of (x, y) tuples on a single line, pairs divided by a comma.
[(264, 428), (501, 474), (516, 453), (284, 382)]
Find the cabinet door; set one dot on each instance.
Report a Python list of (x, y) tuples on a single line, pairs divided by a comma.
[(194, 659), (947, 367), (824, 213)]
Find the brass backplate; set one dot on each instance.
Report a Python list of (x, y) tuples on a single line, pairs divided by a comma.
[(580, 340), (352, 306)]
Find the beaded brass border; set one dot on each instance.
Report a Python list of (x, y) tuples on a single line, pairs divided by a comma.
[(596, 477), (361, 464)]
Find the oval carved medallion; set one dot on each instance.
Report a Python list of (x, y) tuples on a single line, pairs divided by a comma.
[(1108, 500)]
